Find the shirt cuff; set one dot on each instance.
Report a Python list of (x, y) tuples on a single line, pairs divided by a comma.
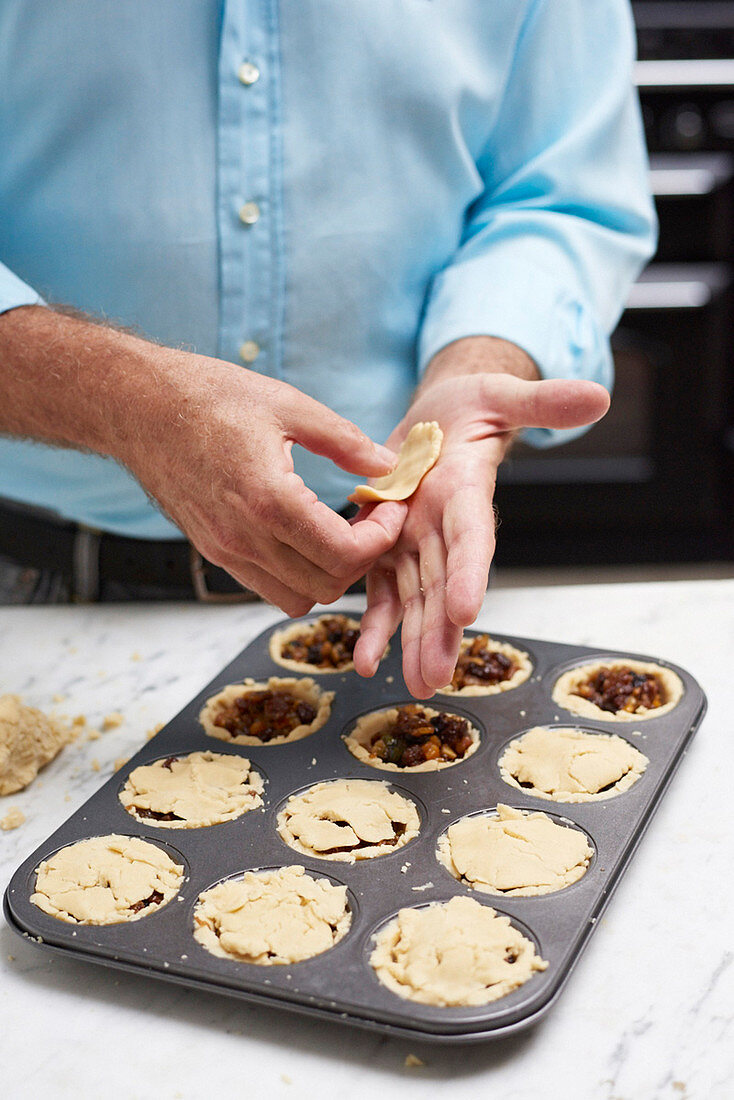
[(516, 300), (14, 292)]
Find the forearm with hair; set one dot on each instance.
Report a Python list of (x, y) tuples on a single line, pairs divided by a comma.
[(69, 381)]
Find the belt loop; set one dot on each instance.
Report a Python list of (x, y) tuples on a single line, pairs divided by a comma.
[(85, 581)]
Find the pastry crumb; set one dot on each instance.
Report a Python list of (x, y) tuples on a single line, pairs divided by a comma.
[(58, 697), (389, 679), (95, 765), (120, 763), (425, 886), (13, 818), (412, 1061), (79, 720), (113, 720), (93, 735), (404, 868), (29, 739), (286, 1079), (150, 734), (136, 656)]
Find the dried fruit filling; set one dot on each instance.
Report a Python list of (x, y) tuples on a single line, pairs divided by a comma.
[(414, 737), (479, 664), (265, 714), (328, 644), (621, 688)]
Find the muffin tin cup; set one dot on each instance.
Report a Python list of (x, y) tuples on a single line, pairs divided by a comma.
[(340, 984)]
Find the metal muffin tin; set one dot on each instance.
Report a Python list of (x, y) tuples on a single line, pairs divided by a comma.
[(340, 984)]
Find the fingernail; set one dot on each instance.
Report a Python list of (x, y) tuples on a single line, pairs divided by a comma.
[(389, 457)]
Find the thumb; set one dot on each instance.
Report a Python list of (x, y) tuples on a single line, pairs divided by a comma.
[(324, 432), (551, 403)]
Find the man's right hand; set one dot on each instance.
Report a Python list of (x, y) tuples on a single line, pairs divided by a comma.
[(223, 471), (210, 441)]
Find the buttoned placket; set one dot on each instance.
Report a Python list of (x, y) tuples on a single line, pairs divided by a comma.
[(249, 205)]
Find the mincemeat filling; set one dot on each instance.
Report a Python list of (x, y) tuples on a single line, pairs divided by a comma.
[(155, 899), (615, 689), (480, 665), (265, 715), (414, 737), (327, 644)]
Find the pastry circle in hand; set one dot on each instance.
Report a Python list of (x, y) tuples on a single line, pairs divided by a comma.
[(486, 667), (418, 452), (515, 853), (189, 792), (569, 765), (414, 737), (272, 917), (348, 819), (324, 645), (618, 691), (283, 709), (106, 880), (453, 954)]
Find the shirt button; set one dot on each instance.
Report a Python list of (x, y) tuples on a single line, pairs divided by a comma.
[(249, 351), (248, 73), (249, 213)]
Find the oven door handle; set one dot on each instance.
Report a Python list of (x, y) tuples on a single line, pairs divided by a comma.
[(678, 294), (685, 183)]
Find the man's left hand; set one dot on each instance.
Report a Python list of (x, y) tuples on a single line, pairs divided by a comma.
[(435, 576)]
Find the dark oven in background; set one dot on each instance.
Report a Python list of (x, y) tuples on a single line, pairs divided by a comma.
[(653, 482)]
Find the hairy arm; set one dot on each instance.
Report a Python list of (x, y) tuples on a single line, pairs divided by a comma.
[(208, 440)]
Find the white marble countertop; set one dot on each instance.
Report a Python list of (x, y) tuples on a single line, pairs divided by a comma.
[(647, 1013)]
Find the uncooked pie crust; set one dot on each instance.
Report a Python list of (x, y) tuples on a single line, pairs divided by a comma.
[(29, 739), (570, 765), (514, 853), (360, 738), (348, 820), (280, 639), (104, 880), (418, 453), (519, 676), (199, 789), (272, 917), (563, 692), (453, 954), (303, 688)]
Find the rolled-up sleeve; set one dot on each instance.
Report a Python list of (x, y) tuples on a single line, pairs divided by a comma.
[(14, 292), (566, 221)]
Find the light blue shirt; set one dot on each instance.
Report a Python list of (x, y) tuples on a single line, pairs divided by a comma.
[(408, 172)]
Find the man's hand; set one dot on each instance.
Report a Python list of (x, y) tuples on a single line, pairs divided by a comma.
[(222, 469), (435, 577), (211, 443)]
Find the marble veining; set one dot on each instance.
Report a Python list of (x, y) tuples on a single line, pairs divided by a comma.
[(646, 1014)]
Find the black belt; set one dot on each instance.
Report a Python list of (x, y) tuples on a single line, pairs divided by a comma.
[(34, 538)]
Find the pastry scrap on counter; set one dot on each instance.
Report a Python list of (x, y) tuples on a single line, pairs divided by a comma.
[(192, 791), (29, 739), (106, 880), (487, 667), (348, 820), (13, 819), (324, 645), (272, 917), (451, 954), (412, 736), (619, 691), (570, 765), (513, 852), (418, 454), (283, 709)]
